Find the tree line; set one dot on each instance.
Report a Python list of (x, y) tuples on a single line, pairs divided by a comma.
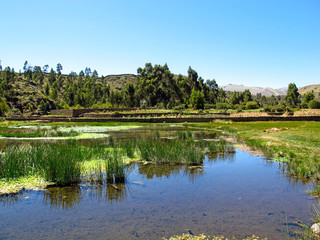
[(36, 89)]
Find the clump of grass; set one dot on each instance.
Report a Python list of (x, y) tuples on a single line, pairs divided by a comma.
[(58, 163), (157, 135), (173, 151), (184, 135), (41, 132), (129, 148), (115, 168)]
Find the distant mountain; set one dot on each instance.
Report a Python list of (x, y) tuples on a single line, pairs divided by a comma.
[(254, 90)]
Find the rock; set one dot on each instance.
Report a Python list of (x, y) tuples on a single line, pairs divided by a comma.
[(272, 130), (316, 228)]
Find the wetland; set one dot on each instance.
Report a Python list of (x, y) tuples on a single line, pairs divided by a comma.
[(143, 181)]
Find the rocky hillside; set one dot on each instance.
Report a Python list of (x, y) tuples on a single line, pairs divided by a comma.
[(311, 88), (117, 82)]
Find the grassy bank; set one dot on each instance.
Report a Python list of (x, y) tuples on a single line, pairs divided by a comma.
[(296, 143)]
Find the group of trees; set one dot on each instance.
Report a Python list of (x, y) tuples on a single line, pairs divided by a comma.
[(155, 86)]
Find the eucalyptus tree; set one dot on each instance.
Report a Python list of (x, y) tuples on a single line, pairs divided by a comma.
[(293, 96), (59, 68)]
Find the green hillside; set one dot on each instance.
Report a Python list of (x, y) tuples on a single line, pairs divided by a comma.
[(315, 89), (117, 82), (38, 91)]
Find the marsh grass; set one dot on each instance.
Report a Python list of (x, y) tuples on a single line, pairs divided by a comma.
[(184, 135), (58, 163), (61, 163), (68, 162), (173, 151), (39, 132)]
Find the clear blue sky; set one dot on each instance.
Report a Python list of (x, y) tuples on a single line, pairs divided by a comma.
[(251, 42)]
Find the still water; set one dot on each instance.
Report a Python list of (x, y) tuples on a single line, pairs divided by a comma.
[(233, 195)]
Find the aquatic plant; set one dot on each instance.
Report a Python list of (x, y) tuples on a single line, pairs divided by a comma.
[(184, 135), (129, 148), (57, 162), (172, 151), (115, 168), (39, 132)]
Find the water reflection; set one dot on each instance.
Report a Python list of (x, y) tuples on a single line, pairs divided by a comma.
[(228, 157), (151, 171), (14, 198), (63, 197), (70, 197)]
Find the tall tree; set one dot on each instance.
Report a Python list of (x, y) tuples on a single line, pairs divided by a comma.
[(293, 97), (59, 68), (45, 68), (52, 76)]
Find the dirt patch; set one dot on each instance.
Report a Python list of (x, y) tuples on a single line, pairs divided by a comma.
[(250, 150)]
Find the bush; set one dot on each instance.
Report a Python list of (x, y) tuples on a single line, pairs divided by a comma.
[(267, 108), (221, 105), (208, 106), (279, 108), (180, 107), (4, 108), (252, 105), (314, 104), (197, 99)]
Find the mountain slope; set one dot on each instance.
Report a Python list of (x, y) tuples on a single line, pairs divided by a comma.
[(254, 90), (310, 88), (117, 82)]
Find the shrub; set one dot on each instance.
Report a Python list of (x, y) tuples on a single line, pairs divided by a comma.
[(3, 107), (314, 104), (197, 99), (221, 105), (252, 105), (208, 106)]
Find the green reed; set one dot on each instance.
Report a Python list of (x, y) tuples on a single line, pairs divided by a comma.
[(41, 132), (172, 151), (115, 168), (61, 163), (56, 162)]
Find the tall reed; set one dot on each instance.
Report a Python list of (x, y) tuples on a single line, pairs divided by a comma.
[(172, 151), (115, 168), (54, 162)]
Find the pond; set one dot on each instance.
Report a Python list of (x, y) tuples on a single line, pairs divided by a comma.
[(235, 194)]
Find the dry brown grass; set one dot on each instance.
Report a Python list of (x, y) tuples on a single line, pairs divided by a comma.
[(307, 112), (249, 114)]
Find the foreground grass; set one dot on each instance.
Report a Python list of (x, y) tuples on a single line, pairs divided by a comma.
[(296, 143)]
